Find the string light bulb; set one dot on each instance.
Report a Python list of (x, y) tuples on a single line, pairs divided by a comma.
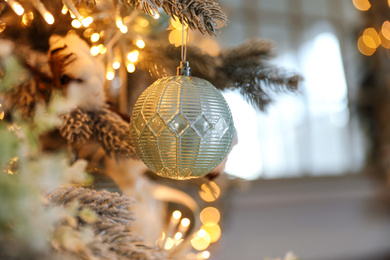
[(76, 23), (95, 37), (110, 75), (64, 9), (123, 29), (140, 44), (116, 65), (49, 18), (95, 50), (18, 9), (130, 67), (87, 21), (133, 56)]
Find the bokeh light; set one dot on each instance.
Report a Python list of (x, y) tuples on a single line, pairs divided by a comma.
[(201, 241), (209, 192), (371, 38), (210, 215), (214, 231), (362, 5), (364, 49)]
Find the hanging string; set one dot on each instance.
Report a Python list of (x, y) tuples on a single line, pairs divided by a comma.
[(183, 43)]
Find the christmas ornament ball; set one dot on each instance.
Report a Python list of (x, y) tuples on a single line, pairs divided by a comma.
[(181, 127)]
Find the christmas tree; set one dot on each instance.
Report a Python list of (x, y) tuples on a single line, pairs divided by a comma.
[(71, 72)]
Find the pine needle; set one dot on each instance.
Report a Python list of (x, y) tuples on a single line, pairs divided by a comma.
[(112, 237)]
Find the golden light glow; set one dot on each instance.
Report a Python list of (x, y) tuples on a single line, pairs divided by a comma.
[(119, 23), (209, 193), (178, 235), (362, 5), (133, 56), (95, 37), (210, 215), (130, 68), (142, 22), (1, 113), (201, 241), (177, 25), (156, 16), (64, 9), (27, 18), (18, 9), (3, 25), (102, 49), (88, 32), (371, 38), (384, 41), (110, 75), (214, 232), (116, 65), (185, 222), (94, 50), (206, 254), (386, 29), (72, 15), (76, 23), (49, 18), (87, 21), (140, 44), (176, 214), (363, 48), (123, 29), (169, 243), (175, 37)]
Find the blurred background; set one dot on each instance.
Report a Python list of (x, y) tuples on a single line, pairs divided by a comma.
[(318, 160)]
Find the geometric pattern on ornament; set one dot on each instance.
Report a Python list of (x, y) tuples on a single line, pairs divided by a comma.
[(178, 124)]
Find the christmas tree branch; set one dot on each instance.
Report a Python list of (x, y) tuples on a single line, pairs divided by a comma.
[(109, 217), (198, 14), (244, 67)]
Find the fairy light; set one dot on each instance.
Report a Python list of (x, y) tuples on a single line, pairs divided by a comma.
[(49, 18), (95, 37), (76, 23), (119, 23), (185, 222), (18, 9), (95, 50), (133, 56), (206, 254), (87, 21), (72, 15), (102, 49), (116, 65), (123, 29), (156, 16), (130, 67), (169, 243), (110, 75), (64, 9), (176, 214), (140, 44), (178, 235)]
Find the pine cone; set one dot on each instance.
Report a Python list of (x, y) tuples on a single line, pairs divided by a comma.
[(76, 127)]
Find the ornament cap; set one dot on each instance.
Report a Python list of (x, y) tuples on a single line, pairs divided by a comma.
[(184, 69)]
